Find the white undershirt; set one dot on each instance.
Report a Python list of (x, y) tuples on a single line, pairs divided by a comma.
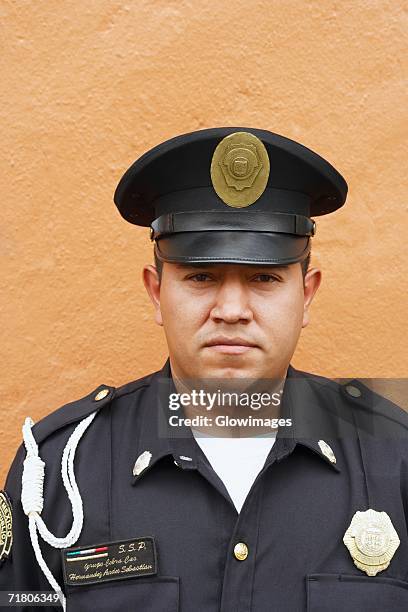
[(237, 461)]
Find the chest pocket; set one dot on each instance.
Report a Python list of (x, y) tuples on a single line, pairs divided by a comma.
[(342, 592), (158, 594)]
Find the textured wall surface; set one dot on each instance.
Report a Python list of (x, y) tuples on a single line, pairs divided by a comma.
[(87, 87)]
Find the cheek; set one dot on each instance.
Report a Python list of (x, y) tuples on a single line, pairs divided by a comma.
[(182, 315), (282, 317)]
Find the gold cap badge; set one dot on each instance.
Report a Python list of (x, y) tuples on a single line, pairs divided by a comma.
[(6, 524), (240, 169), (371, 540)]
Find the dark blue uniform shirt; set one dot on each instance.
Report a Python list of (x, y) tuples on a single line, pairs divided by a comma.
[(292, 522)]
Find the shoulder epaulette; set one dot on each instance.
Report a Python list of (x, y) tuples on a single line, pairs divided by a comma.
[(375, 406), (73, 411), (81, 408)]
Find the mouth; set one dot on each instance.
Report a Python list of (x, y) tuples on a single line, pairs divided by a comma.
[(230, 346)]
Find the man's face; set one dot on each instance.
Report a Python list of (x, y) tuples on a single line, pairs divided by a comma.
[(231, 320)]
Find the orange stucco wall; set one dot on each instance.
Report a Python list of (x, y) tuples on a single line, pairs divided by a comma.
[(87, 87)]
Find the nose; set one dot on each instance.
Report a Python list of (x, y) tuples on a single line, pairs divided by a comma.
[(231, 303)]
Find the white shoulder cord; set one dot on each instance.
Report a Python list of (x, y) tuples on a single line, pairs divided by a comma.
[(32, 495)]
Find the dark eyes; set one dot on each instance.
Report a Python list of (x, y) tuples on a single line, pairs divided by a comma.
[(265, 278), (262, 278), (199, 277)]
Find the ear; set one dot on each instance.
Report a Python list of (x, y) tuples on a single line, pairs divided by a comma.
[(311, 284), (151, 282)]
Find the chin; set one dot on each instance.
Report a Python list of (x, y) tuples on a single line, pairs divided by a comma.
[(227, 371)]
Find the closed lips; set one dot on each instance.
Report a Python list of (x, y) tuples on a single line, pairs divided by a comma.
[(229, 341)]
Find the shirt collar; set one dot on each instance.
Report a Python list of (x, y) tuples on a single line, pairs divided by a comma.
[(156, 435), (312, 404), (311, 408)]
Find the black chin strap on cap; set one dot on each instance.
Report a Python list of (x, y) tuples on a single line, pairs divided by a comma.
[(255, 221)]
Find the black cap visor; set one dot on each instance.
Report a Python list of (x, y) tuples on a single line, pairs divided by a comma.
[(243, 247)]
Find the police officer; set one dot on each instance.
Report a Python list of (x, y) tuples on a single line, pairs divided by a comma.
[(112, 510)]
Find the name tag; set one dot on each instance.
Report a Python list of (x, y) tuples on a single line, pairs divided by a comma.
[(111, 561)]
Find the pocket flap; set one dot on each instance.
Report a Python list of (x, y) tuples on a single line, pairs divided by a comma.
[(341, 592), (159, 594)]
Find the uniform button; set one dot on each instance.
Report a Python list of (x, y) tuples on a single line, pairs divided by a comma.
[(353, 391), (99, 396), (241, 551)]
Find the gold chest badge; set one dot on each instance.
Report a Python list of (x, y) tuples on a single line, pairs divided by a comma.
[(371, 540), (240, 169)]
